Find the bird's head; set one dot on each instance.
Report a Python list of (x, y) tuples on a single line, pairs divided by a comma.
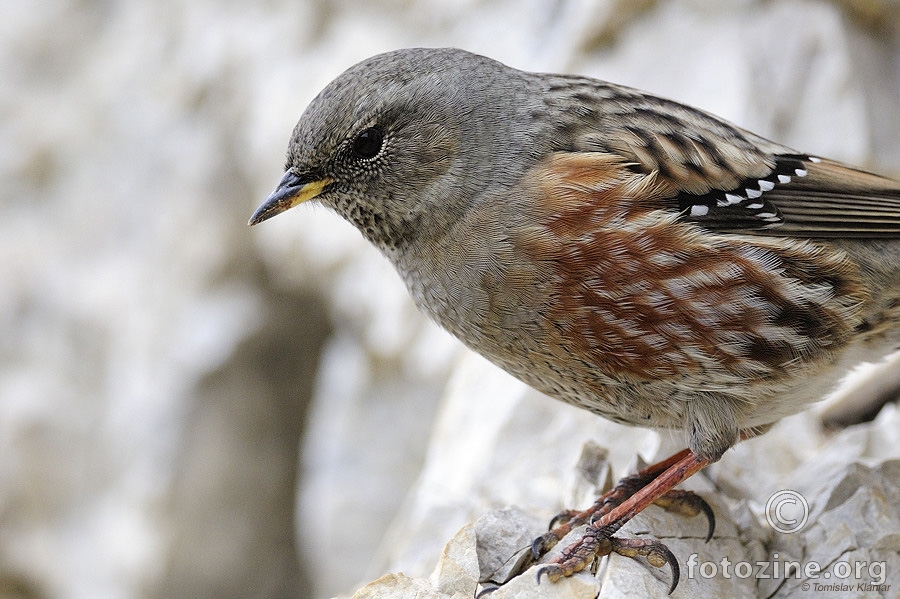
[(403, 134)]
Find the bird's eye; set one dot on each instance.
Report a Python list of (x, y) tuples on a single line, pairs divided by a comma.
[(368, 143)]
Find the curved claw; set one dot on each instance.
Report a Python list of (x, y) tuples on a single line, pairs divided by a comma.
[(547, 570), (710, 517), (656, 553), (543, 544), (536, 546), (563, 516), (688, 503), (673, 566)]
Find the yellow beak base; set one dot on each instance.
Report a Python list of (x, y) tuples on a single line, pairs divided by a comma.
[(292, 190)]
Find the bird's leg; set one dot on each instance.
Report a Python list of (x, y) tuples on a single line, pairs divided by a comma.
[(652, 484), (686, 503), (598, 539)]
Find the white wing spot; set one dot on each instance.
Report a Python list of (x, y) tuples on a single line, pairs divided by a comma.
[(753, 206), (801, 172), (784, 179), (767, 215), (753, 193), (733, 199), (766, 185), (814, 159), (699, 210)]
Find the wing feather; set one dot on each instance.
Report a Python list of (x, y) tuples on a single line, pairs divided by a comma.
[(722, 176), (803, 196)]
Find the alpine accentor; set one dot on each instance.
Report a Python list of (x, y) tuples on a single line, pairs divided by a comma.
[(641, 259)]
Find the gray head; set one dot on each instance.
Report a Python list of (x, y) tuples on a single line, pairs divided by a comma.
[(405, 133)]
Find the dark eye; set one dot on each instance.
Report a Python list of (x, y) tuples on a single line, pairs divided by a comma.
[(368, 143)]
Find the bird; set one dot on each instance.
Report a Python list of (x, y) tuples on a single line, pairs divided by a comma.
[(641, 259)]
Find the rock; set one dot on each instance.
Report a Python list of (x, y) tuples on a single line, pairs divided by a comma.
[(399, 586), (458, 569)]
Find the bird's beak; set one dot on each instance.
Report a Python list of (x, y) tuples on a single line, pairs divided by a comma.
[(292, 190)]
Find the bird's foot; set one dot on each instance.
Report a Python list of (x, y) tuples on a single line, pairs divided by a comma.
[(653, 484), (598, 541)]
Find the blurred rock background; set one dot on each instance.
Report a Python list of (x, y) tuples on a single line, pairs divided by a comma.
[(193, 408)]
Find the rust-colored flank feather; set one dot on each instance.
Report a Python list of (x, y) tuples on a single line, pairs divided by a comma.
[(644, 294)]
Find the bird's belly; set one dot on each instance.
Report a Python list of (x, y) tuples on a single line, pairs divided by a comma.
[(705, 351)]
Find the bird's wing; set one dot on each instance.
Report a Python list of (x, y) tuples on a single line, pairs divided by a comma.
[(726, 178), (802, 196)]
